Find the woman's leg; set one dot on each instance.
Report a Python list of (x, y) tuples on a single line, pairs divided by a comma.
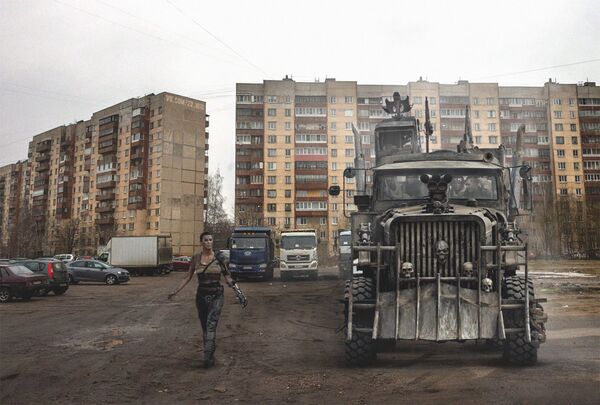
[(215, 305)]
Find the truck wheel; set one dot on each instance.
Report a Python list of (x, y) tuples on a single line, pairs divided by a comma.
[(517, 350), (360, 350), (4, 295), (111, 280)]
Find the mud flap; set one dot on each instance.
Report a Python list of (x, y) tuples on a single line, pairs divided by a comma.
[(448, 327)]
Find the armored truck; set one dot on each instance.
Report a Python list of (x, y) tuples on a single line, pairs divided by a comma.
[(441, 255)]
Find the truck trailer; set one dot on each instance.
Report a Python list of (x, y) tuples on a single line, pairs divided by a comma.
[(140, 255)]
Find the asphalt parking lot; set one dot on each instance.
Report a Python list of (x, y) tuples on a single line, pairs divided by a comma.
[(129, 344)]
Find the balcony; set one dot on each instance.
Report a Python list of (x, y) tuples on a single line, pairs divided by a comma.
[(106, 184), (42, 157), (65, 142), (138, 154), (140, 205), (43, 167), (102, 210), (321, 185), (137, 180), (107, 149), (105, 196), (138, 193), (43, 147), (105, 220)]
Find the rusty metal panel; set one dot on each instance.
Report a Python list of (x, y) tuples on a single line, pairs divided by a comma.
[(449, 327)]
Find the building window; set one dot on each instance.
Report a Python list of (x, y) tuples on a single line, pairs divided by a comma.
[(578, 191), (333, 152), (560, 152), (563, 191), (348, 113), (271, 112), (302, 221), (477, 127), (272, 152), (349, 139), (558, 127), (271, 99), (333, 99), (491, 127), (573, 127), (271, 193), (271, 221), (322, 221), (288, 193), (562, 179), (288, 139), (334, 166), (491, 114), (271, 166), (271, 179), (272, 139), (333, 112), (577, 179), (348, 99), (560, 140), (288, 166), (493, 140), (333, 125), (272, 125), (556, 101), (575, 153), (288, 112), (333, 139), (557, 114), (574, 140), (271, 207), (562, 166), (288, 125)]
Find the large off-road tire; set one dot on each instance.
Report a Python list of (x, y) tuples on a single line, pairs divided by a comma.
[(517, 351), (361, 349)]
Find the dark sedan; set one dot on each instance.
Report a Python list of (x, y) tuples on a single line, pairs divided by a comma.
[(58, 277), (19, 281), (94, 270)]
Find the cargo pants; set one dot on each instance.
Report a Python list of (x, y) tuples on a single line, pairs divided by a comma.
[(209, 310)]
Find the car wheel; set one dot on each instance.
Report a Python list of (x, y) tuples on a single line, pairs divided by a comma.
[(4, 295), (110, 279)]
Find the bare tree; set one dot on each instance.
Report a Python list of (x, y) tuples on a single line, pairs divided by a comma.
[(216, 219), (66, 235)]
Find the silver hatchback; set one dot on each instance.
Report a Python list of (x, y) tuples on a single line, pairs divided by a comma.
[(94, 270)]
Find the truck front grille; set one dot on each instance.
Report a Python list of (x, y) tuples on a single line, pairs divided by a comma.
[(417, 245), (298, 258)]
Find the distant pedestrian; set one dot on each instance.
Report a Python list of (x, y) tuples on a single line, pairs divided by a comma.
[(208, 267)]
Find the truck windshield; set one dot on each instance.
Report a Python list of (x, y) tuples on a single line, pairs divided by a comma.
[(248, 243), (298, 242), (345, 240), (393, 187)]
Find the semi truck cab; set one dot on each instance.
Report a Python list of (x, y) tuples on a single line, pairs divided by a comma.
[(298, 253), (251, 253)]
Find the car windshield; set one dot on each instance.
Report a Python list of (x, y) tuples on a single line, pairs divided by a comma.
[(393, 187), (298, 242), (248, 243), (21, 270)]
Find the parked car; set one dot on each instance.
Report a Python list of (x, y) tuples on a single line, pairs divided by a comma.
[(19, 281), (65, 258), (95, 270), (181, 263), (55, 270)]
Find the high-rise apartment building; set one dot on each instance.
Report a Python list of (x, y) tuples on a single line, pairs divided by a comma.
[(294, 139), (136, 168)]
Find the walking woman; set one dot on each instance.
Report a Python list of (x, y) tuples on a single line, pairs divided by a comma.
[(208, 267)]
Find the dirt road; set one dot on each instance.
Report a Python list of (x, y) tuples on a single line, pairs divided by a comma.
[(127, 343)]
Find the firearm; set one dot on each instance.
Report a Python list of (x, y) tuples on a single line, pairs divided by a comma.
[(240, 295), (428, 126)]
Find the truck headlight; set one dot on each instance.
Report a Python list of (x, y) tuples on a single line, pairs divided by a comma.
[(263, 266), (232, 265)]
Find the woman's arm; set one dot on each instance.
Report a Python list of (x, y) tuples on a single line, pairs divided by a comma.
[(185, 281)]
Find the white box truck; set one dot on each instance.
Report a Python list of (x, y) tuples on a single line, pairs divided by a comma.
[(298, 254), (141, 255)]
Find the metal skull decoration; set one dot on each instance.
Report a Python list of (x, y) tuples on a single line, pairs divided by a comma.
[(407, 270), (468, 270), (486, 285), (442, 250)]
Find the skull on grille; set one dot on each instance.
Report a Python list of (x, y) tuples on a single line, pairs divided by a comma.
[(442, 250), (486, 284), (467, 269), (407, 270)]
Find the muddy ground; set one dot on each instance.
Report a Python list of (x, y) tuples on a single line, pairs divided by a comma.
[(128, 344)]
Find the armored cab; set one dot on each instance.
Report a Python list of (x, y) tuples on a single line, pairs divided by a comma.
[(440, 254)]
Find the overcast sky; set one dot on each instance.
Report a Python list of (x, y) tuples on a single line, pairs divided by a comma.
[(61, 60)]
